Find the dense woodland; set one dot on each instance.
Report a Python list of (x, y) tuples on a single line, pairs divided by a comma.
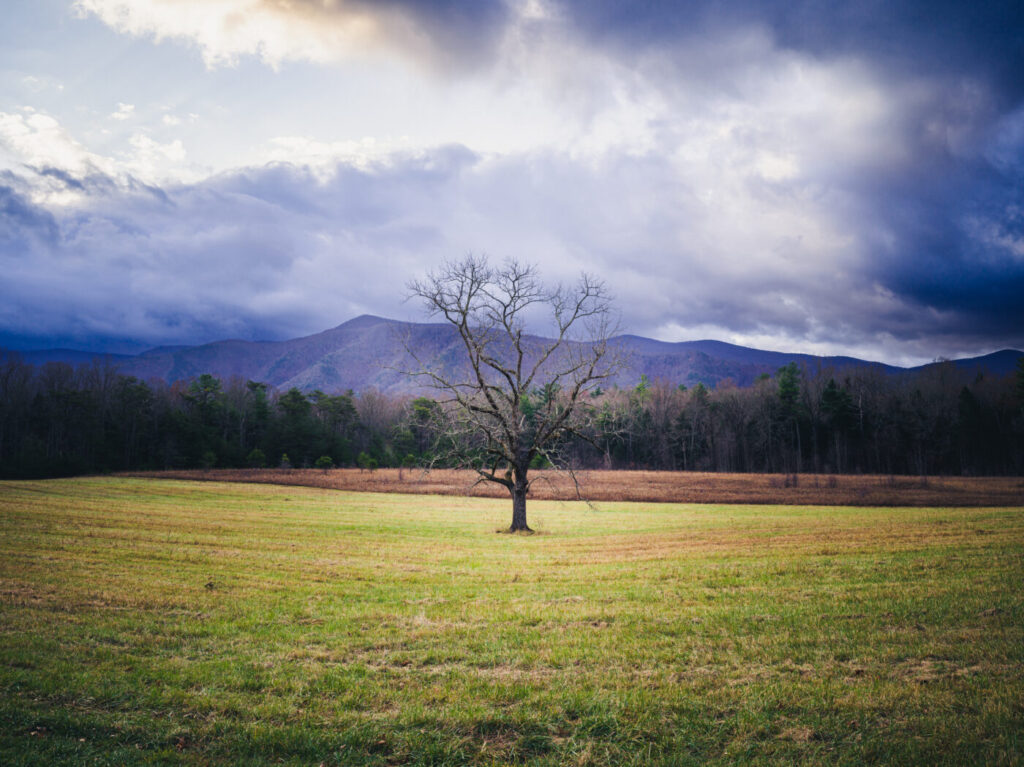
[(58, 420)]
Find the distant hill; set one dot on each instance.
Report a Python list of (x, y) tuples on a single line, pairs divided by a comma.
[(997, 363), (368, 352), (70, 356)]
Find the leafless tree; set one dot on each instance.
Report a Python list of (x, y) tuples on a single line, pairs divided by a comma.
[(518, 396)]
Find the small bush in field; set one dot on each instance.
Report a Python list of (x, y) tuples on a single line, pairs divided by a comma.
[(256, 459), (324, 462)]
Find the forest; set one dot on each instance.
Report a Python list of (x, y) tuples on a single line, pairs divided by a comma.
[(59, 420)]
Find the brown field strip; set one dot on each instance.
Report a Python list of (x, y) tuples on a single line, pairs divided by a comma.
[(650, 486)]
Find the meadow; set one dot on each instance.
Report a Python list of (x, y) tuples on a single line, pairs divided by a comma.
[(152, 621)]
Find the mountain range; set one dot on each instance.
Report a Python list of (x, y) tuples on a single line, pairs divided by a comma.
[(368, 352)]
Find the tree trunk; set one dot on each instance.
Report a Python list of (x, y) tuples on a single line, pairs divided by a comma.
[(519, 505)]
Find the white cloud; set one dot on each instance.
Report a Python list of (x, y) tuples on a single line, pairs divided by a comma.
[(38, 141), (60, 163), (324, 157), (123, 112), (41, 83), (546, 87), (153, 161), (172, 120), (275, 32)]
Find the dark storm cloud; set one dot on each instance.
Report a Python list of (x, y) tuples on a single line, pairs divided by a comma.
[(279, 251), (448, 32), (959, 247), (466, 31), (62, 176), (948, 37), (941, 229), (262, 253), (945, 230), (23, 226)]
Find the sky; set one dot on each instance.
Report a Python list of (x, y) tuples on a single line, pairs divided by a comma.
[(797, 175)]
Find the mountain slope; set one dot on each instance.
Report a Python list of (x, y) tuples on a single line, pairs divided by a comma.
[(369, 352)]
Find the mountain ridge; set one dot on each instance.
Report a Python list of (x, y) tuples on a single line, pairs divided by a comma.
[(368, 352)]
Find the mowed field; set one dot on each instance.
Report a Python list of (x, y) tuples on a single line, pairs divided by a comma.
[(152, 621)]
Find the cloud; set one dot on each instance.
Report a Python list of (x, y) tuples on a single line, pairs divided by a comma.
[(41, 83), (39, 139), (446, 33), (927, 38), (58, 164), (24, 227), (62, 171), (809, 175), (123, 112), (150, 156), (323, 157), (281, 250)]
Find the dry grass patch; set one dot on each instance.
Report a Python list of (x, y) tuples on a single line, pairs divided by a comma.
[(648, 486)]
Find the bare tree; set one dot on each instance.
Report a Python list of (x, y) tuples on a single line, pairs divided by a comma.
[(518, 397)]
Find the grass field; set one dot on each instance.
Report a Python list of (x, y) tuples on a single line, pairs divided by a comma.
[(148, 621)]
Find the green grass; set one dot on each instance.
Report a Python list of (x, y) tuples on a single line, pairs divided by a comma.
[(165, 622)]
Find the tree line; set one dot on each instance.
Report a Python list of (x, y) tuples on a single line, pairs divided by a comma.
[(58, 420), (858, 421)]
